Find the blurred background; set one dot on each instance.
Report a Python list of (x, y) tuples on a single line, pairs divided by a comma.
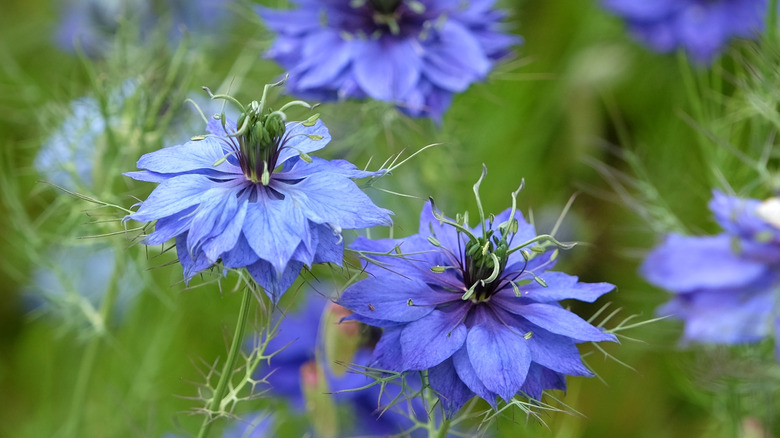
[(580, 109)]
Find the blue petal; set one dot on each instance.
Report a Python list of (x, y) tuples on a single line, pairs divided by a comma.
[(273, 228), (240, 255), (169, 227), (453, 393), (388, 353), (454, 59), (188, 157), (468, 375), (326, 55), (560, 286), (389, 297), (274, 283), (738, 216), (500, 358), (447, 235), (558, 320), (226, 231), (173, 196), (540, 379), (386, 69), (146, 176), (298, 140), (777, 339), (431, 339), (556, 352), (335, 200), (726, 316), (684, 264), (330, 245), (191, 263), (215, 128), (290, 22)]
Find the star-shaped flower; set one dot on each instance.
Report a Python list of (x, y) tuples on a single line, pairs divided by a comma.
[(252, 197), (475, 307), (413, 53)]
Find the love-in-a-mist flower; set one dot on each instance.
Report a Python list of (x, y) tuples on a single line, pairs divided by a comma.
[(475, 307), (69, 155), (413, 53), (701, 27), (71, 283), (251, 196), (91, 25), (726, 286), (253, 425), (302, 367)]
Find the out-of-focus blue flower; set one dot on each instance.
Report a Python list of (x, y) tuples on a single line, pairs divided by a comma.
[(413, 53), (68, 156), (72, 281), (701, 27), (252, 197), (93, 24), (302, 342), (256, 425), (463, 304), (725, 285)]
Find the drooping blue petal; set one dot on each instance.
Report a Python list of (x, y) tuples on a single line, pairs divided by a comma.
[(192, 263), (687, 263), (330, 246), (455, 59), (171, 226), (387, 69), (431, 339), (273, 228), (500, 358), (274, 283), (540, 379), (240, 255), (388, 354), (466, 372), (725, 316), (225, 234), (453, 393)]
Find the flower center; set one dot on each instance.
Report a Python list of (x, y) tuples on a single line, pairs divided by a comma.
[(260, 138), (385, 7), (485, 260)]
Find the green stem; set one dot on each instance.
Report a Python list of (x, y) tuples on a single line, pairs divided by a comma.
[(772, 22), (76, 413), (430, 400), (227, 370)]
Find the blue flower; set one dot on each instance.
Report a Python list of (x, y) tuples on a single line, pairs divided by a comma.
[(71, 282), (482, 317), (724, 285), (68, 156), (413, 53), (701, 27), (254, 425), (300, 340), (252, 197), (93, 24)]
